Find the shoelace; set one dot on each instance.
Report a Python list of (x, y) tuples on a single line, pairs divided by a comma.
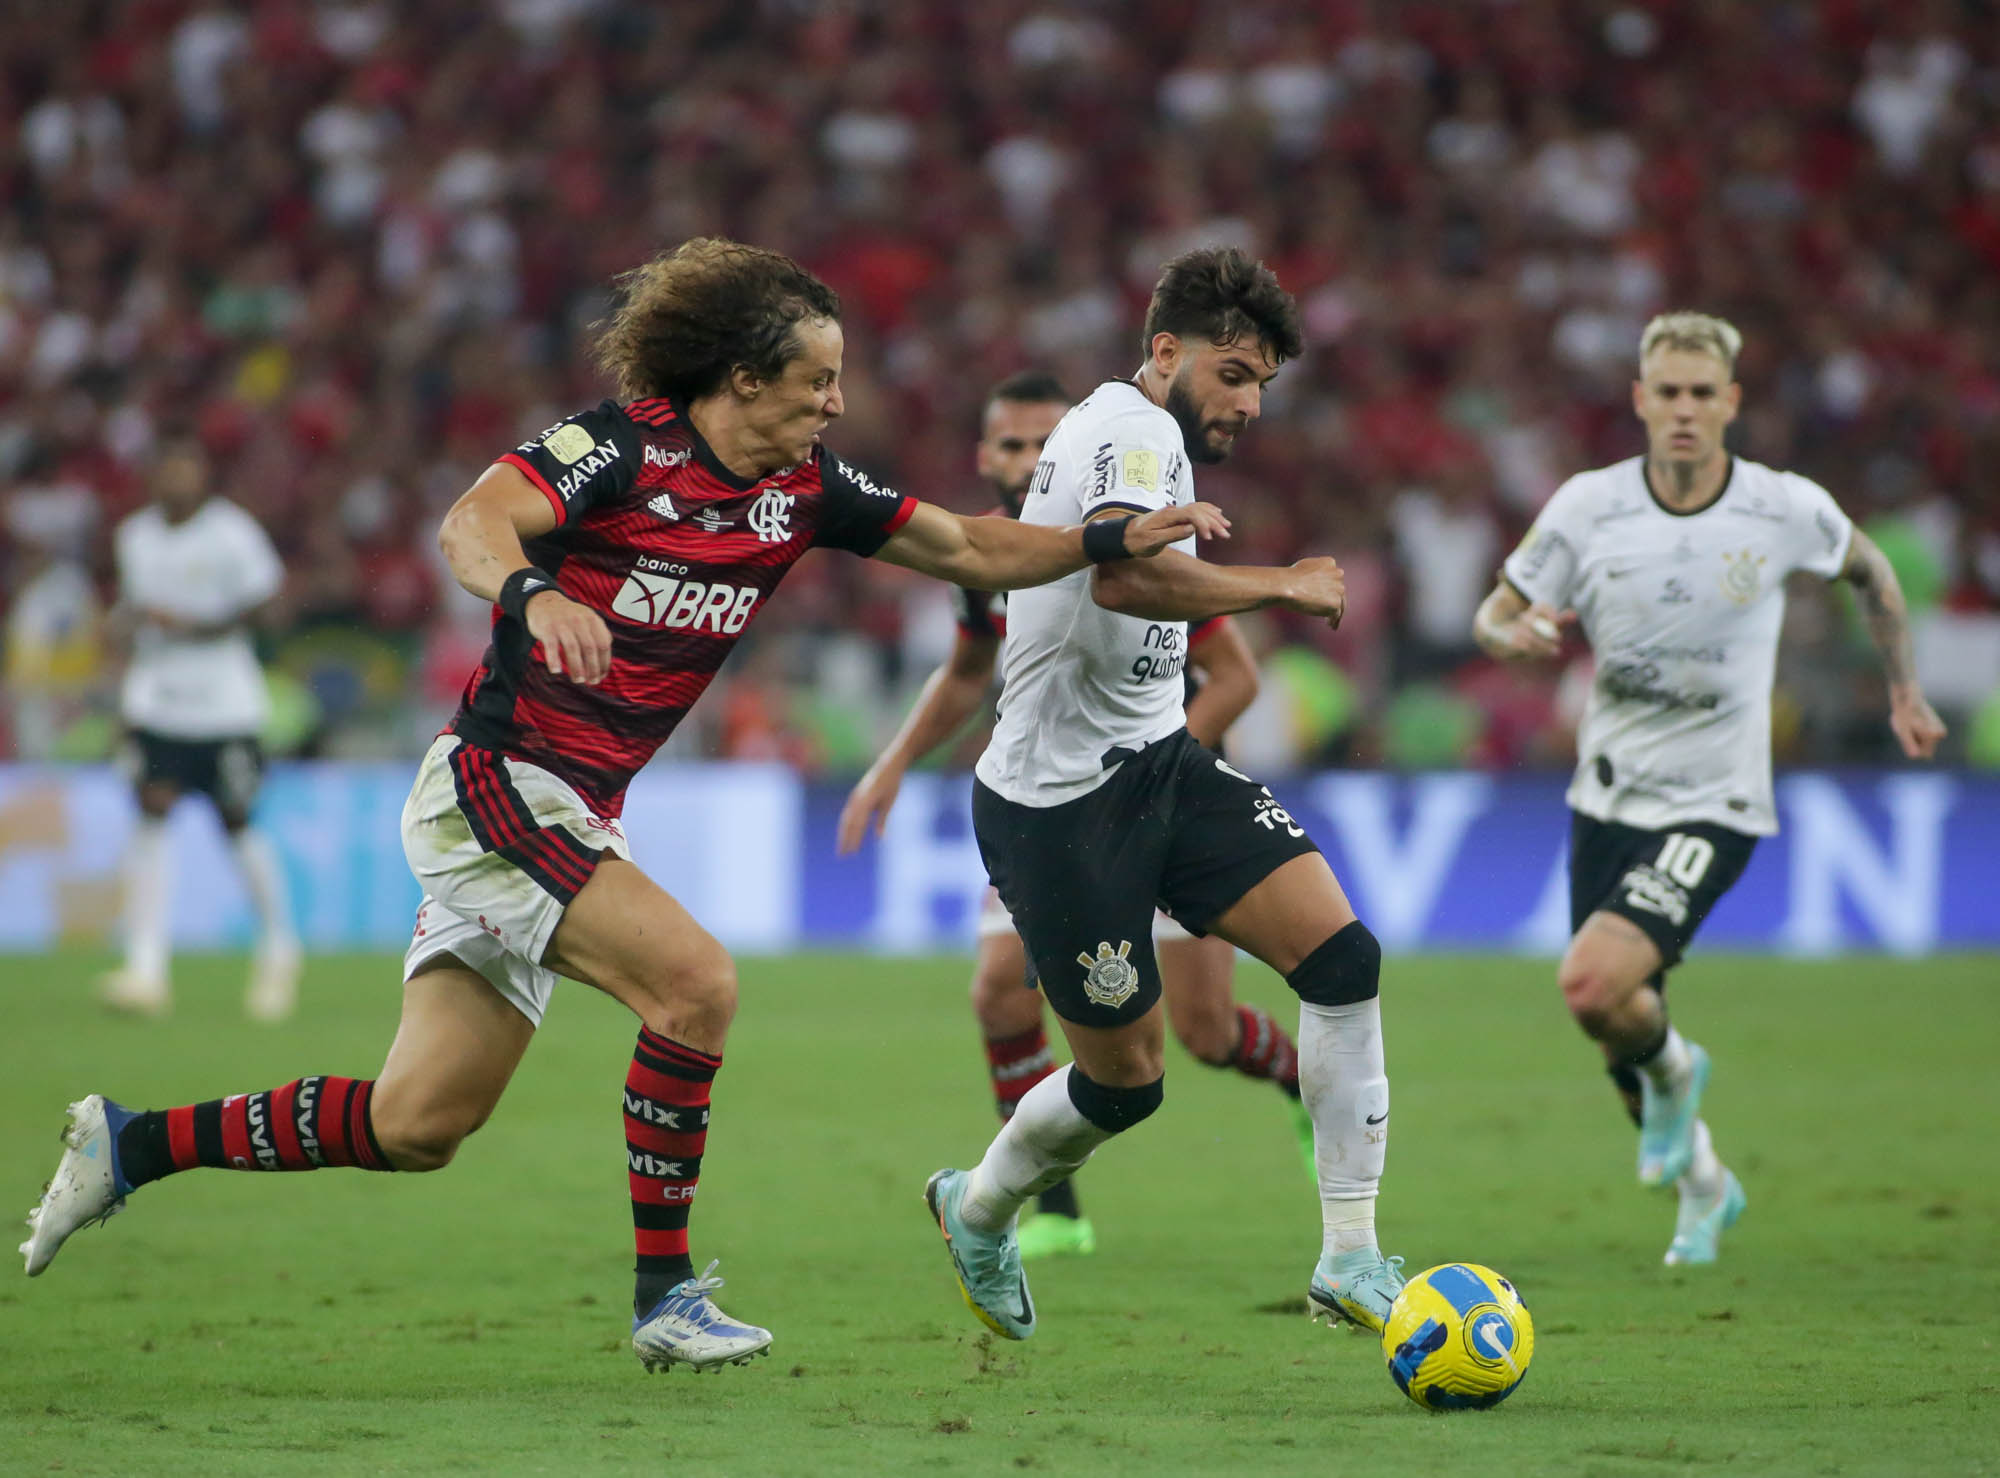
[(707, 1283)]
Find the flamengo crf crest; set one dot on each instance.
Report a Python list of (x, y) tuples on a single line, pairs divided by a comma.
[(1110, 979), (771, 516)]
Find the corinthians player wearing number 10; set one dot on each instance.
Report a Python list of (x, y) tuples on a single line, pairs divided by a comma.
[(1094, 805), (625, 551), (1674, 564)]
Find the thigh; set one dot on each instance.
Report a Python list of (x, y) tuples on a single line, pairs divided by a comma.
[(1079, 881), (1229, 835), (1613, 954), (1288, 915), (1664, 883), (456, 1049), (502, 843), (627, 936)]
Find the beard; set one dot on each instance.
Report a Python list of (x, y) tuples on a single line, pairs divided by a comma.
[(1194, 431)]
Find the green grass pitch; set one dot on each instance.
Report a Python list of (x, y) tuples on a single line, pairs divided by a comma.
[(475, 1321)]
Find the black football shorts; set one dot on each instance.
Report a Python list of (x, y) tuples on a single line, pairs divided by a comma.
[(1173, 825)]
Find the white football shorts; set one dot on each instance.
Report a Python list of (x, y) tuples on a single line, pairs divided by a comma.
[(500, 848)]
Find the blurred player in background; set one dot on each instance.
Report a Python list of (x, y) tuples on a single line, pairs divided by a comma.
[(1094, 806), (193, 570), (1674, 565), (1196, 975), (627, 548)]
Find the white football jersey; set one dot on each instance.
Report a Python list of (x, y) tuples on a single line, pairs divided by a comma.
[(211, 568), (1080, 683), (1683, 612)]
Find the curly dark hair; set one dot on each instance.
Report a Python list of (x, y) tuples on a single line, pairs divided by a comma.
[(1225, 296), (693, 314)]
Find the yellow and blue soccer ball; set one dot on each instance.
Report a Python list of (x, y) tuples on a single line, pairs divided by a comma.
[(1458, 1338)]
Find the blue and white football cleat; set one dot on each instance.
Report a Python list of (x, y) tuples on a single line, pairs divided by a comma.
[(1359, 1286), (88, 1185), (1699, 1227), (1666, 1123), (988, 1264), (686, 1328)]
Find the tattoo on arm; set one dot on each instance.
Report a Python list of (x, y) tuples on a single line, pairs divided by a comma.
[(1881, 597)]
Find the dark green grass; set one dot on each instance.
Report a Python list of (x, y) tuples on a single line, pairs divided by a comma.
[(474, 1321)]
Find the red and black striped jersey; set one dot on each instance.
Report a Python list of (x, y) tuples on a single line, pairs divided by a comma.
[(677, 554)]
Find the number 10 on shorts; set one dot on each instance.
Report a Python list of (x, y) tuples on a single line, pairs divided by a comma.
[(1685, 858)]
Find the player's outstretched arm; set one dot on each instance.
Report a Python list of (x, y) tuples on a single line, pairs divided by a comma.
[(1512, 628), (1229, 683), (481, 538), (1916, 724), (1002, 554), (949, 697), (1179, 587)]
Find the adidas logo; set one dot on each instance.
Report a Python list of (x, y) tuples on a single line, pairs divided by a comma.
[(664, 506)]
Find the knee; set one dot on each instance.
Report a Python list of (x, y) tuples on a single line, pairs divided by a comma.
[(1207, 1029), (1112, 1108), (694, 993), (1343, 971), (1592, 992), (428, 1139)]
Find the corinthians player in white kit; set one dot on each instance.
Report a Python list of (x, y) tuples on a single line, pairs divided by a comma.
[(191, 571), (1093, 805), (1674, 564)]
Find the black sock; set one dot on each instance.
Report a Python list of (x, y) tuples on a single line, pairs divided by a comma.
[(1627, 1079), (1059, 1200), (648, 1288)]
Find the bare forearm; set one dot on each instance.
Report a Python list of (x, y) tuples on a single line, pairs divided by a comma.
[(1883, 607), (1500, 608), (1218, 704), (1177, 587), (948, 699), (1001, 554)]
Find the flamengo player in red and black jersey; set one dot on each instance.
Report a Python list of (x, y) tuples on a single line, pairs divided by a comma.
[(1197, 976), (626, 549)]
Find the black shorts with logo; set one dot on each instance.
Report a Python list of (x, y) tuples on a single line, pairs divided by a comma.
[(1173, 826), (228, 771), (1664, 881)]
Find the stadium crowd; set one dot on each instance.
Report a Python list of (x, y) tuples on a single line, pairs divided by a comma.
[(355, 245)]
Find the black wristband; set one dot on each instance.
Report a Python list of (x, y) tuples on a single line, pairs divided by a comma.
[(1105, 540), (516, 589)]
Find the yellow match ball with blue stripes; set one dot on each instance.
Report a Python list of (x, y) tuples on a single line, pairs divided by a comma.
[(1458, 1338)]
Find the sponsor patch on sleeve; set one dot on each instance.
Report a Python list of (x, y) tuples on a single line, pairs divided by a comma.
[(569, 444), (1141, 469)]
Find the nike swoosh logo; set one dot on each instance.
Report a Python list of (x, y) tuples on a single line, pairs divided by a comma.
[(1375, 1118)]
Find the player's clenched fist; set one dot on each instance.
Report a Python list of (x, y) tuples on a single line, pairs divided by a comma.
[(1318, 588), (575, 641), (1148, 534)]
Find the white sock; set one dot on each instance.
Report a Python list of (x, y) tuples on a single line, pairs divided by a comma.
[(1047, 1140), (1345, 1087), (1670, 1067), (264, 879), (147, 884), (1704, 1179)]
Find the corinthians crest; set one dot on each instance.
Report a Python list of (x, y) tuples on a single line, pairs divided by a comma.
[(1740, 578), (1110, 979)]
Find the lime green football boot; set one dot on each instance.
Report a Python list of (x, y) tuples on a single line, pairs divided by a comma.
[(1045, 1234)]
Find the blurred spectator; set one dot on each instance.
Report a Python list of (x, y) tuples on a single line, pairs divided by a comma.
[(360, 243)]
